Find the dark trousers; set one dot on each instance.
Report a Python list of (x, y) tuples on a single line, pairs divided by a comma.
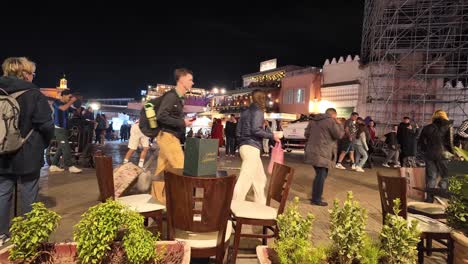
[(230, 145), (29, 188), (435, 168), (63, 149), (319, 181)]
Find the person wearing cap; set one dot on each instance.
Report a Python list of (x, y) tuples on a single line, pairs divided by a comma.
[(436, 143), (61, 109)]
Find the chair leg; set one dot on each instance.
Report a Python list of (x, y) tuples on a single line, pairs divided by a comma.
[(421, 251), (265, 232), (450, 251), (429, 247), (220, 254), (237, 236)]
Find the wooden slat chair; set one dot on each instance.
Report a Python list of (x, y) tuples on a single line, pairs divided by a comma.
[(198, 212), (391, 188), (250, 213), (144, 204)]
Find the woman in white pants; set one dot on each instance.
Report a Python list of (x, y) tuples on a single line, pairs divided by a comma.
[(250, 133)]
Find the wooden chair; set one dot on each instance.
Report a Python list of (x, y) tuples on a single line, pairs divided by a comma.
[(144, 204), (391, 188), (250, 213), (198, 212)]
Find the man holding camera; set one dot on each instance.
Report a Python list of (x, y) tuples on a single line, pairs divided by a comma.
[(61, 109)]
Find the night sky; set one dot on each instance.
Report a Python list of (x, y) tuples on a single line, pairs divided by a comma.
[(116, 50)]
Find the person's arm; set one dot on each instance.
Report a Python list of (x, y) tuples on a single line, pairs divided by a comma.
[(461, 130), (239, 127), (66, 106), (257, 126), (336, 130), (164, 116), (42, 119)]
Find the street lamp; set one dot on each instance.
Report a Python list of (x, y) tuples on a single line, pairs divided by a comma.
[(223, 91), (95, 106), (215, 90)]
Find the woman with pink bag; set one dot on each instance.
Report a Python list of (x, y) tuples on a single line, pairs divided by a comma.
[(250, 133)]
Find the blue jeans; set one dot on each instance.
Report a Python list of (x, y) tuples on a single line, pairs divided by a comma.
[(435, 168), (319, 181), (361, 155), (28, 189), (230, 145)]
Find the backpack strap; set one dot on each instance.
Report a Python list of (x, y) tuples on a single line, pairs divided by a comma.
[(18, 94), (4, 91)]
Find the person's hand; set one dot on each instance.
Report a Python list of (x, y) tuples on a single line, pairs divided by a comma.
[(73, 99), (338, 121), (188, 122), (410, 127), (276, 139)]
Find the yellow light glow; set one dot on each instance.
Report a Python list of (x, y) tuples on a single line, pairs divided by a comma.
[(320, 106)]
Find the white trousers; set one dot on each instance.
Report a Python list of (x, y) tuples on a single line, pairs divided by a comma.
[(252, 174)]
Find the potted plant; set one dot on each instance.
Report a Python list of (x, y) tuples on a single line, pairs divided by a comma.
[(399, 240), (29, 236), (457, 212), (293, 245), (112, 233)]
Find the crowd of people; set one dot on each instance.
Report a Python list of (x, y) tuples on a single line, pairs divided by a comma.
[(251, 134)]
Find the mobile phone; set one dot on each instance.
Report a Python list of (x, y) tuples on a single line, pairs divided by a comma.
[(193, 118)]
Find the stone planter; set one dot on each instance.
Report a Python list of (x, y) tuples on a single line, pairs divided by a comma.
[(460, 247), (266, 255), (65, 253)]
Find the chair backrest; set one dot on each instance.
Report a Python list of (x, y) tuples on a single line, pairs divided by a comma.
[(280, 184), (105, 177), (198, 204), (391, 188)]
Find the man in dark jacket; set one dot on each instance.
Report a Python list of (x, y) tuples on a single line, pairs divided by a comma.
[(322, 134), (436, 142), (23, 167), (250, 134), (393, 148), (406, 137), (170, 116), (230, 133)]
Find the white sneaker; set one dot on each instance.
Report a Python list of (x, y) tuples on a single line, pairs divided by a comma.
[(359, 169), (340, 166), (353, 167), (3, 239), (386, 165), (54, 168), (74, 169), (397, 166), (141, 163)]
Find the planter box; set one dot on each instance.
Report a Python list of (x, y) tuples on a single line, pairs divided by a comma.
[(65, 253), (460, 247), (266, 255)]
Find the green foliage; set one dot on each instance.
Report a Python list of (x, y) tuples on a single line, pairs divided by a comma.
[(457, 209), (347, 226), (399, 240), (98, 229), (293, 245), (462, 153), (28, 232), (371, 252)]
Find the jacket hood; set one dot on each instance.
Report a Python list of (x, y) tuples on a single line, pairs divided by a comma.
[(319, 117), (13, 84), (440, 122)]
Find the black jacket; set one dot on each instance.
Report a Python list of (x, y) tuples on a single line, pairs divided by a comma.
[(35, 114), (407, 139), (250, 130), (391, 140), (230, 130), (436, 138), (171, 114)]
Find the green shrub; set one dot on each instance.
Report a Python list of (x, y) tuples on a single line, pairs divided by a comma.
[(347, 233), (30, 231), (399, 240), (457, 209), (371, 251), (99, 227), (293, 245)]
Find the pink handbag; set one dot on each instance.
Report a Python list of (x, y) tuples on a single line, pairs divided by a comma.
[(277, 155)]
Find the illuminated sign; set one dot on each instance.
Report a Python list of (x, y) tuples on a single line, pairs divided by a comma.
[(268, 65)]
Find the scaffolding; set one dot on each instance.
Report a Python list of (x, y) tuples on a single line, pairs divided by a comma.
[(415, 59)]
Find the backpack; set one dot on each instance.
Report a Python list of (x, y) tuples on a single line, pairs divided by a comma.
[(10, 135), (148, 115)]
